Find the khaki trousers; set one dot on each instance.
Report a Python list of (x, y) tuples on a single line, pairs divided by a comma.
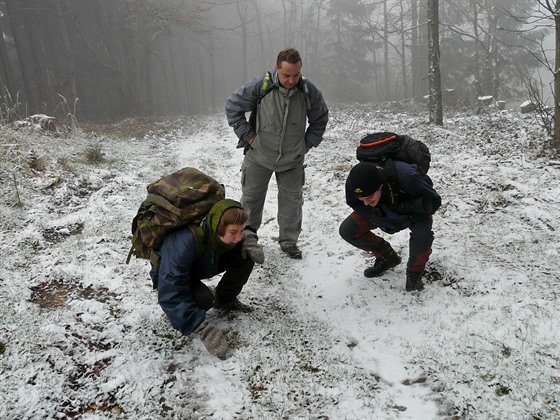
[(254, 186)]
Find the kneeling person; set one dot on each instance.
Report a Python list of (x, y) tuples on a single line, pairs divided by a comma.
[(223, 244), (391, 205)]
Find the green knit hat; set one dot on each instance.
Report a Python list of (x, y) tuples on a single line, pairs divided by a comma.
[(213, 220)]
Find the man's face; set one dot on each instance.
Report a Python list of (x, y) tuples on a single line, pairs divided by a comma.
[(289, 74), (372, 200)]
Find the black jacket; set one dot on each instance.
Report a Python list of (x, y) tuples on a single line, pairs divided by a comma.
[(404, 200)]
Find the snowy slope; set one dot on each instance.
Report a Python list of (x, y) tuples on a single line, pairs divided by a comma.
[(82, 335)]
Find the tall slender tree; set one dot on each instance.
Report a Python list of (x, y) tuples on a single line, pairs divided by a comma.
[(416, 69), (20, 18), (435, 98), (70, 58), (7, 83), (403, 49), (556, 135), (547, 15)]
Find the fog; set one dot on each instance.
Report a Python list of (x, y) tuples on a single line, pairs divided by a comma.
[(111, 59)]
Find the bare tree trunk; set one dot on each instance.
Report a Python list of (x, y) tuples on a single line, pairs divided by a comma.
[(213, 77), (17, 14), (386, 50), (6, 73), (338, 47), (435, 101), (69, 52), (149, 80), (489, 63), (376, 75), (260, 34), (241, 7), (45, 68), (175, 96), (556, 135), (415, 66), (203, 95), (315, 53), (189, 88), (285, 26), (403, 53), (495, 68), (477, 86), (130, 87), (290, 22)]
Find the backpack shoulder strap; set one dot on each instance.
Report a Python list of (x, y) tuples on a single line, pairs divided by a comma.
[(392, 179), (200, 239), (198, 234), (266, 86), (303, 86)]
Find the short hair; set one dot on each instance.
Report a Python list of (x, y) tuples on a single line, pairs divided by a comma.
[(291, 55), (232, 216)]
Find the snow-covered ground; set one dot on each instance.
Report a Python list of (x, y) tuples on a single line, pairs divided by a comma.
[(82, 335)]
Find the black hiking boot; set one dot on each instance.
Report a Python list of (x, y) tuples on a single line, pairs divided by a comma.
[(383, 263), (414, 281), (232, 305), (292, 250)]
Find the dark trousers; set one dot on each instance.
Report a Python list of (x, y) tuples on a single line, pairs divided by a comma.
[(357, 231), (236, 271)]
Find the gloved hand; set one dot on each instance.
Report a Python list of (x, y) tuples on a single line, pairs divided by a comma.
[(212, 338), (251, 248)]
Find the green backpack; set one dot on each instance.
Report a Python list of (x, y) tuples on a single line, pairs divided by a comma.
[(178, 199)]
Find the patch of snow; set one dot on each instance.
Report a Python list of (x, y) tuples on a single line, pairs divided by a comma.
[(481, 341)]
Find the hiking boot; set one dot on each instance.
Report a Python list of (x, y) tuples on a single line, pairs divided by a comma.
[(414, 281), (232, 305), (383, 263), (292, 250)]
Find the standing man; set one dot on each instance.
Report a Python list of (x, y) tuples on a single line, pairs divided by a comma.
[(289, 117), (404, 200)]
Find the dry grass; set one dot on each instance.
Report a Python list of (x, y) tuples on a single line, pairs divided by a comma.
[(126, 128), (94, 154), (56, 294)]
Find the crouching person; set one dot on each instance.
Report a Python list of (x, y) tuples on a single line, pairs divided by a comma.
[(223, 244), (392, 199)]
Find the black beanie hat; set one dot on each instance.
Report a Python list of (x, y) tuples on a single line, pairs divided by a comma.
[(365, 178)]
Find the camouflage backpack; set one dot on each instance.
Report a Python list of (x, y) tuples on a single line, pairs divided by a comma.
[(178, 199)]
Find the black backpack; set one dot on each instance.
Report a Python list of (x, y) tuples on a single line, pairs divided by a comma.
[(384, 147), (377, 147)]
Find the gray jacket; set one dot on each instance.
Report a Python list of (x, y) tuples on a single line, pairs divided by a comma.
[(287, 123)]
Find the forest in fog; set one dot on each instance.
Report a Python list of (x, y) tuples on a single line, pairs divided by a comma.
[(99, 98), (97, 59)]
